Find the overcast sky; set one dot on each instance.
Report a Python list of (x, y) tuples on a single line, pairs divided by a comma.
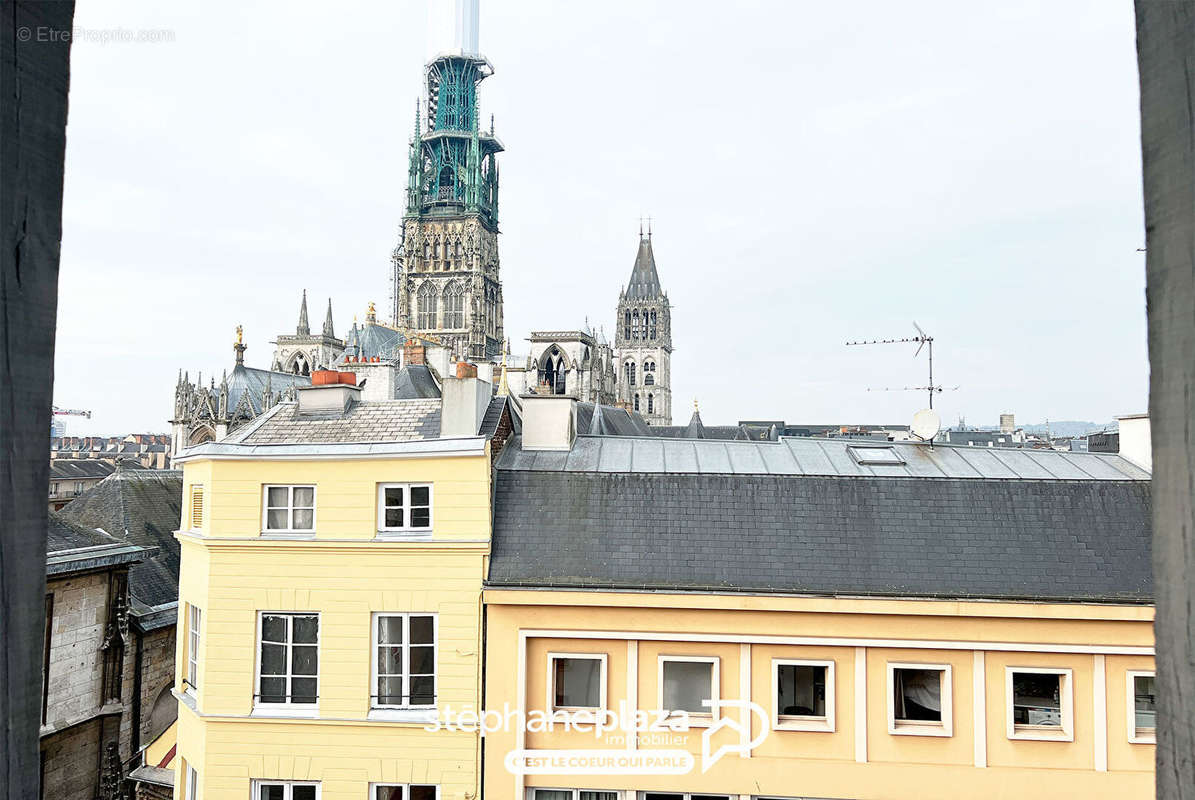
[(817, 172)]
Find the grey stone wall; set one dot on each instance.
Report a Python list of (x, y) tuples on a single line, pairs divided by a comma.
[(76, 662), (71, 759), (157, 674)]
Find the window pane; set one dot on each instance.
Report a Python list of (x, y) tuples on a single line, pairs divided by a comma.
[(421, 517), (389, 630), (662, 796), (801, 690), (393, 518), (273, 659), (554, 794), (422, 630), (276, 520), (388, 793), (306, 629), (276, 497), (1036, 699), (393, 495), (304, 660), (686, 684), (600, 796), (272, 690), (918, 695), (390, 692), (578, 682), (302, 690), (420, 495), (389, 660), (273, 628), (304, 497), (422, 793), (423, 660), (1145, 701), (304, 520), (423, 691), (302, 793), (272, 792)]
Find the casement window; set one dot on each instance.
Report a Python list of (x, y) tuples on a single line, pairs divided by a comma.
[(196, 507), (920, 699), (404, 664), (403, 791), (572, 794), (285, 790), (405, 507), (288, 662), (288, 509), (1142, 707), (191, 791), (576, 681), (194, 621), (683, 796), (802, 695), (686, 682), (1039, 704)]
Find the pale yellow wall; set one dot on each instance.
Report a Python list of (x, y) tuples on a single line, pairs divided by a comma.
[(825, 764)]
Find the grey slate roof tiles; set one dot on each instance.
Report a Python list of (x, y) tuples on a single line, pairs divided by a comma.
[(383, 421)]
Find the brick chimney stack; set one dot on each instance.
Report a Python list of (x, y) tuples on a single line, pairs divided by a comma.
[(413, 353)]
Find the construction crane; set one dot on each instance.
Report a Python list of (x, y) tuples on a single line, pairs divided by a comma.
[(71, 412)]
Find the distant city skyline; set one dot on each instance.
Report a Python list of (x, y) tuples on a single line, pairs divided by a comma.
[(814, 174)]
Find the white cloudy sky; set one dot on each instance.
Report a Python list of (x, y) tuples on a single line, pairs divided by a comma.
[(817, 172)]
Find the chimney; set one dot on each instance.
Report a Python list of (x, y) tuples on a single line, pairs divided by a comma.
[(331, 393), (463, 402), (549, 421), (1008, 423), (412, 353)]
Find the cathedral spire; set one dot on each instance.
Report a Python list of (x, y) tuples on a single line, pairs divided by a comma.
[(645, 281), (303, 329), (328, 330)]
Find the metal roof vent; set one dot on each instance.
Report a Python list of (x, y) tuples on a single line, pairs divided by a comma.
[(876, 456)]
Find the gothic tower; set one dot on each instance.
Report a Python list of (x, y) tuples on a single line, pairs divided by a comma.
[(643, 342), (446, 281)]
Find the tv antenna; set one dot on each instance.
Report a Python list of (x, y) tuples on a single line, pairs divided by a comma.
[(923, 341)]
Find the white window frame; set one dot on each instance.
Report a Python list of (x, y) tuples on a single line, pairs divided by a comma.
[(420, 711), (287, 709), (575, 794), (918, 727), (194, 639), (191, 790), (290, 500), (684, 795), (406, 788), (696, 719), (793, 722), (407, 529), (577, 712), (1042, 733), (288, 786), (1131, 706)]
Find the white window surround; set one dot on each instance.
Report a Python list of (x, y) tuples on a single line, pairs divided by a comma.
[(191, 791), (579, 713), (1131, 707), (575, 794), (688, 795), (406, 788), (288, 709), (405, 712), (406, 529), (1042, 733), (288, 532), (696, 720), (922, 728), (288, 787), (788, 722), (194, 634)]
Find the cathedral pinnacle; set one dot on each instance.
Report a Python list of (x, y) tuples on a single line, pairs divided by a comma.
[(303, 329), (239, 346), (328, 330)]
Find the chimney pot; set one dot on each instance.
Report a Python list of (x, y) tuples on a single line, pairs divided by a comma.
[(466, 370)]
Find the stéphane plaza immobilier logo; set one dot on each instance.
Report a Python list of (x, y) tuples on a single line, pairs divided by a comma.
[(655, 730)]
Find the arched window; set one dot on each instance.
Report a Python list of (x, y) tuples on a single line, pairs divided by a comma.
[(445, 183), (635, 324), (626, 330), (300, 365), (553, 370), (454, 306), (636, 402), (427, 306), (651, 404), (649, 379), (653, 323), (629, 370)]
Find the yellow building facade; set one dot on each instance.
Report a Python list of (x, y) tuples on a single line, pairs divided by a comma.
[(332, 560)]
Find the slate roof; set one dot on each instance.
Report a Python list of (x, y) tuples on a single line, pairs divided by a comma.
[(79, 468), (415, 382), (380, 421), (645, 281), (143, 507), (805, 516), (244, 379), (610, 421), (72, 548), (492, 417), (63, 534)]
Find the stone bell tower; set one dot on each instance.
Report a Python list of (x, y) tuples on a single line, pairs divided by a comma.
[(643, 342)]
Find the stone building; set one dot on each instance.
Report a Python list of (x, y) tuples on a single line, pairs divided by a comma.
[(577, 363), (643, 340), (302, 352)]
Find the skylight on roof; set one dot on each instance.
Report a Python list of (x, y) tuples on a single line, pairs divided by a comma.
[(882, 456)]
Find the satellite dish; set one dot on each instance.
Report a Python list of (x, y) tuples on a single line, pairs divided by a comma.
[(926, 424)]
